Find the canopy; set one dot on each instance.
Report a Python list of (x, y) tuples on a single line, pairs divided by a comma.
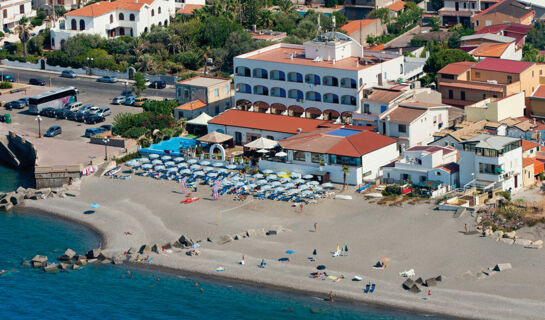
[(201, 120), (281, 154), (215, 137), (262, 143)]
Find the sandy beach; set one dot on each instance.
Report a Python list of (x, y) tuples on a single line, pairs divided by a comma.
[(412, 237)]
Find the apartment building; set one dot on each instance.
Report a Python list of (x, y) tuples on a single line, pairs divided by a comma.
[(461, 11), (489, 45), (359, 9), (113, 19), (323, 78), (505, 11), (13, 11), (202, 94)]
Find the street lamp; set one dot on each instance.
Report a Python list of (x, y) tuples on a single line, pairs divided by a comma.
[(126, 85), (106, 140), (89, 63), (39, 119)]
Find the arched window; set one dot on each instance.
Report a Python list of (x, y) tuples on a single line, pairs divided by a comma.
[(295, 94), (145, 29), (401, 68), (73, 25), (243, 71), (331, 81), (160, 23), (313, 96), (312, 79), (348, 100), (152, 12), (166, 23), (260, 73), (278, 92), (131, 17), (295, 77), (278, 75), (159, 10), (82, 24), (348, 83), (121, 16), (261, 90), (331, 98), (121, 31), (244, 88), (111, 18)]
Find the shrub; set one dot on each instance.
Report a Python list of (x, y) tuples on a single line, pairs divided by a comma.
[(5, 85)]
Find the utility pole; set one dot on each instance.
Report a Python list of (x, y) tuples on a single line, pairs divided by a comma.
[(106, 140), (39, 119)]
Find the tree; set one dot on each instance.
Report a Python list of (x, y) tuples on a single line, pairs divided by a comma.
[(330, 3), (454, 41), (529, 53), (24, 32), (340, 19), (382, 13), (139, 83), (536, 35), (443, 57), (346, 171), (435, 23), (266, 18), (437, 4), (286, 6)]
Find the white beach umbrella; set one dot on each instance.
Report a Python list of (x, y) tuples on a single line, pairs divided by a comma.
[(327, 185), (289, 185), (212, 174), (267, 171), (285, 179), (157, 161), (218, 164), (231, 167), (262, 151), (263, 181), (275, 183), (280, 189), (267, 187), (222, 170), (298, 181), (159, 167), (166, 158), (236, 178), (205, 163), (182, 165), (132, 163), (194, 167), (185, 171), (207, 169), (272, 177), (304, 186), (143, 160), (258, 176), (293, 191), (281, 154), (172, 170), (239, 184), (170, 163), (153, 156), (295, 175), (192, 161), (252, 185), (199, 173), (314, 183), (307, 176), (179, 159), (281, 173), (318, 188), (147, 166)]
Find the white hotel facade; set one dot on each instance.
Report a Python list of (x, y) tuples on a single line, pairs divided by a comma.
[(323, 78)]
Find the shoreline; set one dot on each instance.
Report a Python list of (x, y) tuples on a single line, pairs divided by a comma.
[(26, 209)]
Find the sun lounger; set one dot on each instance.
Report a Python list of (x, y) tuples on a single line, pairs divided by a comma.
[(372, 288), (367, 287)]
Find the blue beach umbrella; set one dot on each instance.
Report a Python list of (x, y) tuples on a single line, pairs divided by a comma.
[(290, 251), (95, 205), (156, 161), (147, 166), (182, 165), (143, 160)]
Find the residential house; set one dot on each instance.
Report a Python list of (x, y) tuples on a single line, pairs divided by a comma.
[(360, 9), (49, 4), (496, 109), (323, 78), (202, 94), (267, 35), (422, 164), (489, 45), (113, 19), (246, 126), (467, 130), (189, 5), (531, 166), (360, 29), (464, 83), (396, 8), (513, 30), (13, 11), (491, 162), (537, 100), (327, 150), (461, 11), (538, 6), (503, 12)]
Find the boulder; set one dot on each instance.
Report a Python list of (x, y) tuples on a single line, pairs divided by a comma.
[(76, 267), (17, 198), (6, 206), (104, 256), (408, 284), (93, 254), (415, 289), (538, 242), (20, 190), (507, 240), (500, 267), (82, 262), (132, 251), (488, 232), (7, 197), (251, 233), (51, 268), (419, 280), (156, 248), (510, 235), (431, 282), (68, 255), (39, 261), (118, 260), (91, 260), (64, 265), (145, 249), (523, 242), (272, 232), (185, 241), (498, 234)]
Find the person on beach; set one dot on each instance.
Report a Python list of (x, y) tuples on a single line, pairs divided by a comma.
[(466, 228), (331, 296), (346, 250), (315, 226)]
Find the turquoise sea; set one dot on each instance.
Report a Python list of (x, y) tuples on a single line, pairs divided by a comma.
[(100, 291)]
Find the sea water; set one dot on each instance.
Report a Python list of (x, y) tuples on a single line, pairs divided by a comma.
[(108, 292)]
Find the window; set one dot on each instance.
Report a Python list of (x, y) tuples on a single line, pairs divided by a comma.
[(316, 157), (451, 94), (489, 168), (299, 156), (73, 25), (216, 92), (152, 12), (477, 74), (82, 24), (217, 109), (22, 9), (226, 88), (383, 108), (131, 17), (462, 95), (402, 128), (5, 13), (121, 16), (401, 69), (366, 108), (111, 18), (447, 76), (186, 93), (532, 73), (509, 79), (488, 23), (344, 160), (159, 10)]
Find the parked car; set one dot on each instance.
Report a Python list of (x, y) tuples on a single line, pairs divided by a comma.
[(138, 102), (37, 82), (7, 77), (48, 112), (15, 104), (73, 106), (68, 74), (94, 118), (104, 111), (107, 79), (24, 101), (119, 100), (72, 116), (126, 93), (80, 115), (159, 84), (129, 100), (108, 127), (93, 131), (63, 113), (53, 131)]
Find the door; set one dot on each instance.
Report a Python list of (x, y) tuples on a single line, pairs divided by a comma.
[(516, 182), (457, 6)]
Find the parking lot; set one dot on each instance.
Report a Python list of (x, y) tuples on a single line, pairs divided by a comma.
[(90, 92)]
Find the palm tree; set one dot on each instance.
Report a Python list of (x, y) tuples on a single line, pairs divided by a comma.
[(286, 6), (23, 29), (266, 18), (346, 171)]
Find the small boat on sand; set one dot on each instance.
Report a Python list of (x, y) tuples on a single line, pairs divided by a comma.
[(113, 171)]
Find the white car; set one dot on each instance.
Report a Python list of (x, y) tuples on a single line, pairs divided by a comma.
[(104, 111), (119, 100)]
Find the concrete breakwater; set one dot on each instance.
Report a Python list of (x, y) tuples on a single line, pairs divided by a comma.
[(17, 152), (19, 196)]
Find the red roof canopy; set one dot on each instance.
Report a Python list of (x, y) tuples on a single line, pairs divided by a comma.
[(503, 65)]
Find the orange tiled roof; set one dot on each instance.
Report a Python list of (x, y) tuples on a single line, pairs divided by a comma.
[(527, 162), (103, 7), (539, 167), (456, 68), (492, 50), (189, 8), (378, 47), (527, 145), (356, 25), (540, 92), (397, 6), (192, 105)]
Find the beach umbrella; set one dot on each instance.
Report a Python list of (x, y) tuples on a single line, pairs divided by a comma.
[(143, 160), (299, 180), (192, 161), (218, 164), (239, 184), (280, 189), (205, 163), (153, 156), (147, 166), (131, 163), (194, 167), (185, 171), (318, 188), (307, 176), (267, 171), (307, 193), (207, 169), (267, 187), (258, 176), (179, 159), (199, 173), (290, 251), (281, 154), (95, 205), (262, 181), (166, 158), (314, 183), (252, 185), (285, 179), (294, 191), (236, 178), (281, 173), (170, 163), (212, 174), (276, 183), (262, 151), (283, 259), (289, 185), (222, 170), (272, 177), (295, 175), (156, 161), (172, 170), (304, 187), (327, 185), (321, 267), (182, 165), (231, 167), (159, 167)]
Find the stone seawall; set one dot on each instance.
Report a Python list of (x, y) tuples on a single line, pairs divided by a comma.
[(17, 152)]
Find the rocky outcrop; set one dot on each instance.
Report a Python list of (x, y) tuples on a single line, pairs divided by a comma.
[(39, 261), (132, 251), (118, 260)]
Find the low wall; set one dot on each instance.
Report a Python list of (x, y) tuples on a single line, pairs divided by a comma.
[(48, 177), (114, 142)]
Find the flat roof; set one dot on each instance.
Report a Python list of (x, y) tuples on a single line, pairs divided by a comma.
[(203, 81)]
